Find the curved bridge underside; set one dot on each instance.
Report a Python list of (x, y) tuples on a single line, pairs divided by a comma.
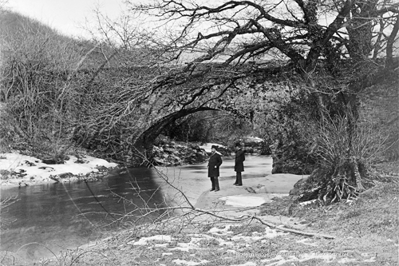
[(144, 142)]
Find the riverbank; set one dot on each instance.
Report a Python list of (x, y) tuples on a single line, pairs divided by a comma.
[(227, 229), (249, 225), (21, 170), (18, 170)]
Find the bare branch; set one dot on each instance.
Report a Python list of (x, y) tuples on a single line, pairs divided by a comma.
[(391, 39)]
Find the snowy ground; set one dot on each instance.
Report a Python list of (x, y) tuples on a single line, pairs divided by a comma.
[(225, 243), (20, 170)]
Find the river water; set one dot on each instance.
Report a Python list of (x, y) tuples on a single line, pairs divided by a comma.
[(52, 217)]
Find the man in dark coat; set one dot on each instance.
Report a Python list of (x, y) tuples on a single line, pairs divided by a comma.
[(213, 168), (239, 164)]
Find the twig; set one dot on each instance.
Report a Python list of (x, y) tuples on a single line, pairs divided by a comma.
[(271, 225)]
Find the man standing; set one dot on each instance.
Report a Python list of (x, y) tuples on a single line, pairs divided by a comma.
[(239, 164), (213, 168)]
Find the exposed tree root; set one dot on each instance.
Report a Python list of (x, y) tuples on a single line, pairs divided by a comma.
[(345, 181)]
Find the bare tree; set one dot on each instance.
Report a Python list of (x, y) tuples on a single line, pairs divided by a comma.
[(330, 50), (38, 67)]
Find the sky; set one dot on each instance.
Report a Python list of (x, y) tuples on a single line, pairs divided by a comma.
[(69, 17)]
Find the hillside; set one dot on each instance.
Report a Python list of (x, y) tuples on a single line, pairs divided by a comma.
[(21, 33), (14, 26)]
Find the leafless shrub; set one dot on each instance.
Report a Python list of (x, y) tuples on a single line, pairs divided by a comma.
[(331, 142), (341, 174), (40, 105)]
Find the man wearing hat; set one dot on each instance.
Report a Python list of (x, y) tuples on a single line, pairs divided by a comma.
[(239, 164), (213, 168)]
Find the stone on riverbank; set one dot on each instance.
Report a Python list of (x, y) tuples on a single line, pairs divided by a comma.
[(173, 154)]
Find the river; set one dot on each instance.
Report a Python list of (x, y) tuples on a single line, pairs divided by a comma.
[(49, 218)]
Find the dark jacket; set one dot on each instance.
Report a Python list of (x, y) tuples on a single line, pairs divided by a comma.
[(213, 165), (239, 162)]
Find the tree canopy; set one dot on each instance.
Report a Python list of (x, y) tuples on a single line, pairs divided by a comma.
[(298, 32), (213, 49)]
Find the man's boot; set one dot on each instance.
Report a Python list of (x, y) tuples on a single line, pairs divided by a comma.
[(238, 179), (213, 183), (217, 188)]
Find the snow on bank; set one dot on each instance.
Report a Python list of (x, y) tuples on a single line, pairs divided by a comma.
[(207, 146), (243, 201), (30, 170)]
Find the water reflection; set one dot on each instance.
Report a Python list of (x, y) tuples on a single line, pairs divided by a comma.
[(59, 216), (52, 217)]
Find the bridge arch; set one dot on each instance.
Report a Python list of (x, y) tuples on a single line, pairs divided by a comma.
[(144, 142)]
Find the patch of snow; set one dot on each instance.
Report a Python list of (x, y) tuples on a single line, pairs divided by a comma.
[(190, 263), (268, 234), (35, 169), (144, 240), (305, 242), (327, 257), (200, 236), (372, 259), (272, 233), (207, 146), (243, 201), (246, 239), (221, 231), (193, 244), (10, 161), (346, 260), (305, 203), (185, 247), (249, 263), (280, 260), (163, 245), (283, 251), (195, 240)]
